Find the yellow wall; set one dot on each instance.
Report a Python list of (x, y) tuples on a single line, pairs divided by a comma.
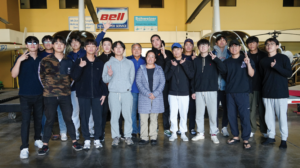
[(3, 12), (9, 11), (5, 64), (54, 19), (247, 15)]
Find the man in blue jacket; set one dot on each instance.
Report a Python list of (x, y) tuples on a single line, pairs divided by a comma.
[(137, 60)]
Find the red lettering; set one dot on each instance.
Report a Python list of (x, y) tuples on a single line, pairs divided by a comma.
[(112, 17), (104, 17), (122, 16)]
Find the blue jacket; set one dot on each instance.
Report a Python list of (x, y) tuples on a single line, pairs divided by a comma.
[(137, 65), (145, 104), (221, 81)]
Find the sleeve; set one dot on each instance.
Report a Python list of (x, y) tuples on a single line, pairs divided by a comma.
[(132, 72), (220, 65), (100, 37), (193, 79), (224, 75), (253, 66), (15, 63), (142, 89), (77, 71), (42, 73), (104, 87), (169, 70), (188, 69), (286, 69), (105, 77), (162, 82)]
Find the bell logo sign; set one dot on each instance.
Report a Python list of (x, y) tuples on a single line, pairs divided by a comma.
[(117, 16)]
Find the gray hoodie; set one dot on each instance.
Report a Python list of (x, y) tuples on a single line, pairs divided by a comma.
[(123, 75)]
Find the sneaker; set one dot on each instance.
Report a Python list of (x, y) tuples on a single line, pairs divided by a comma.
[(43, 150), (122, 137), (76, 146), (24, 153), (251, 135), (198, 137), (283, 144), (168, 133), (143, 142), (38, 143), (173, 137), (268, 141), (178, 132), (87, 144), (134, 135), (184, 137), (97, 144), (193, 132), (214, 139), (63, 137), (116, 141), (225, 132), (129, 141)]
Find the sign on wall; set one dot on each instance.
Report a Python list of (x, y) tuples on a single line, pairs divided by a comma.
[(118, 17), (145, 23), (89, 24)]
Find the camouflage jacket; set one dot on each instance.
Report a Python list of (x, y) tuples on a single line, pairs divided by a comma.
[(55, 76)]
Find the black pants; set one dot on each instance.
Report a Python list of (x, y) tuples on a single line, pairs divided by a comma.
[(166, 114), (51, 104), (222, 99), (29, 104), (192, 113), (104, 116), (85, 106)]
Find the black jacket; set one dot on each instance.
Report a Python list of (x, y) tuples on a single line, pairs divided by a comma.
[(105, 57), (160, 60), (257, 78), (88, 79), (206, 73), (179, 77)]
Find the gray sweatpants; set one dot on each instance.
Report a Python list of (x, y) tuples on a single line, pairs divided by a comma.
[(278, 107), (210, 99), (120, 102)]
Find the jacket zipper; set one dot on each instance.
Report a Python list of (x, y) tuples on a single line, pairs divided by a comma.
[(92, 80)]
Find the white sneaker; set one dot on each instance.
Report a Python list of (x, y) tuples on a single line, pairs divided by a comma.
[(198, 137), (184, 137), (97, 144), (173, 137), (251, 135), (225, 132), (38, 143), (63, 137), (24, 153), (87, 144), (215, 139)]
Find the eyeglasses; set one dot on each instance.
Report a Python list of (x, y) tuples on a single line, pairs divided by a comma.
[(47, 42), (31, 43), (270, 44)]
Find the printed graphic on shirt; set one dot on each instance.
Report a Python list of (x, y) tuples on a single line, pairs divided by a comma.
[(243, 65)]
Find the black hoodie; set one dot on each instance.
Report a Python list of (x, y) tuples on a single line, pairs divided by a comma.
[(179, 77), (105, 57), (160, 60)]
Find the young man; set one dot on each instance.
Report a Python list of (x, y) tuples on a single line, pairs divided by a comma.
[(119, 74), (179, 72), (255, 96), (189, 54), (239, 69), (221, 51), (163, 56), (30, 92), (54, 73), (205, 89), (47, 42), (275, 69), (79, 52), (137, 60), (91, 92)]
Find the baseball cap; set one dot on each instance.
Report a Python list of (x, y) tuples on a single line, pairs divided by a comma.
[(234, 41), (189, 40), (176, 45)]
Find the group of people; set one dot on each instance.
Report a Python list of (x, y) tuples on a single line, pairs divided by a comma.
[(81, 88)]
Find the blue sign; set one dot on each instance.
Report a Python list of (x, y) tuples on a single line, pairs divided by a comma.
[(118, 17), (145, 23)]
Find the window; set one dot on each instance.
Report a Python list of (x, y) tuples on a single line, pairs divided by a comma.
[(68, 4), (225, 2), (33, 4), (151, 3), (291, 3)]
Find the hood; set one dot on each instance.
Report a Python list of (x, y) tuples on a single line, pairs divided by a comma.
[(116, 60)]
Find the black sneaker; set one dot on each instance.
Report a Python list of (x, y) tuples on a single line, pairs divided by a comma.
[(268, 141), (153, 142), (76, 146), (178, 132), (143, 142), (43, 150), (283, 145), (134, 135)]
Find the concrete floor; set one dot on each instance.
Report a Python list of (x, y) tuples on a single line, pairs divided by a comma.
[(166, 154)]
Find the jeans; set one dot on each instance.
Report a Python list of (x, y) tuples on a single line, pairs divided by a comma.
[(135, 127), (29, 104), (51, 104)]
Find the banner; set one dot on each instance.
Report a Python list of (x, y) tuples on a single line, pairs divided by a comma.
[(118, 17), (89, 24), (145, 23)]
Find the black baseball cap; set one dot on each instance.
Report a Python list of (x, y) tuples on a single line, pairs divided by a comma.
[(234, 41)]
